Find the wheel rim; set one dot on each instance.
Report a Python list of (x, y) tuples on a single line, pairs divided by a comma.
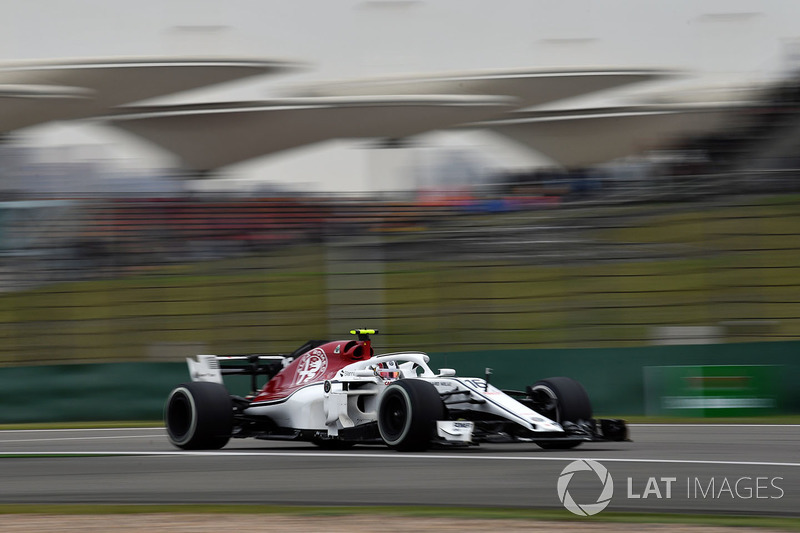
[(546, 402), (180, 419), (395, 416)]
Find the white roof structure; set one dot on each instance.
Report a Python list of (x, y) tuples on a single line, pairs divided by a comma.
[(209, 136), (709, 41), (37, 92), (585, 137), (21, 105), (530, 87), (206, 137)]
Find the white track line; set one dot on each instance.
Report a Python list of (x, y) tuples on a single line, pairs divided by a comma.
[(400, 456), (161, 428)]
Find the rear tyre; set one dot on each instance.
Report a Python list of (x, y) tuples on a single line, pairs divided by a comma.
[(199, 416), (563, 400), (407, 413)]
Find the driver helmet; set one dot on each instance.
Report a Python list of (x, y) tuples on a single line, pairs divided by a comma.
[(388, 370)]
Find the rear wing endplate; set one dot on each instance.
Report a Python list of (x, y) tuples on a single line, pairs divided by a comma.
[(212, 367)]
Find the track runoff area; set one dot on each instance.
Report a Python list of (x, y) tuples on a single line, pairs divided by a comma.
[(695, 468)]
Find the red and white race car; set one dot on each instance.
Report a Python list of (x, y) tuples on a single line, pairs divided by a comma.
[(337, 394)]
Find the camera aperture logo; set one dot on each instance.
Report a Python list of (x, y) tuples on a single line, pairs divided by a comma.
[(605, 495), (709, 489)]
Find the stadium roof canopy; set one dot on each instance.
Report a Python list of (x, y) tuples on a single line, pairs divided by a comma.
[(584, 137), (208, 136), (529, 87), (26, 104), (36, 92)]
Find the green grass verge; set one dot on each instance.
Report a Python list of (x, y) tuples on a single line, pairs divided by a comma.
[(777, 419), (785, 523), (678, 266)]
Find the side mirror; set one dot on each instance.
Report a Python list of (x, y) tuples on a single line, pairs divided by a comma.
[(447, 372)]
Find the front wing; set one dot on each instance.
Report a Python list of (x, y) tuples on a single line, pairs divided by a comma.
[(495, 416)]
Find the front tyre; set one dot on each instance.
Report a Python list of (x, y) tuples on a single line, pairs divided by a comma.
[(407, 413), (199, 416), (563, 400)]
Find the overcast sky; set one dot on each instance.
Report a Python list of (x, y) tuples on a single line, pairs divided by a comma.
[(745, 39), (352, 38)]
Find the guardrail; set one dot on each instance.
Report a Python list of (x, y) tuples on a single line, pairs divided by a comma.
[(614, 379)]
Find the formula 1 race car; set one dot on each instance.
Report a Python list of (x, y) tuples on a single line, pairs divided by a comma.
[(337, 394)]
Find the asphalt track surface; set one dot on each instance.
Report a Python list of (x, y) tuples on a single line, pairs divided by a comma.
[(718, 469)]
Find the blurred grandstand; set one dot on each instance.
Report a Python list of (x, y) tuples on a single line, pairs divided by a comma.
[(695, 241)]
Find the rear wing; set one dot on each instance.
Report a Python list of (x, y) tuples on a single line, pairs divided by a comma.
[(213, 367)]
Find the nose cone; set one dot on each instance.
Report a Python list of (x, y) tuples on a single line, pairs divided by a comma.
[(544, 424), (551, 426)]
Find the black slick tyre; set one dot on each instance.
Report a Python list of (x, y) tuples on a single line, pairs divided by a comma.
[(407, 413), (199, 416), (563, 400)]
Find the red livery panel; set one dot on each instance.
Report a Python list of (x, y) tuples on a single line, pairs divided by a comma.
[(316, 365)]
